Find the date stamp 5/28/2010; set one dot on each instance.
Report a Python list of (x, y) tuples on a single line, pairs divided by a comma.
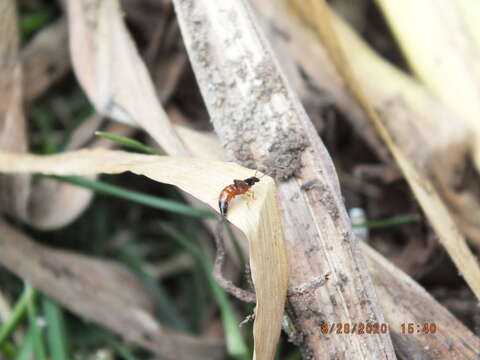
[(362, 328)]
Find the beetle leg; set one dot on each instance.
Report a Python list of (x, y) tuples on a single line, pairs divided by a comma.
[(250, 194)]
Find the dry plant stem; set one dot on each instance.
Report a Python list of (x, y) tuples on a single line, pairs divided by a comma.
[(320, 241), (254, 112), (177, 264), (73, 279), (12, 121), (45, 59), (404, 301), (310, 98)]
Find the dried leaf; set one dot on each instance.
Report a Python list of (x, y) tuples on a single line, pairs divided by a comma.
[(112, 73), (54, 204), (201, 144), (45, 59)]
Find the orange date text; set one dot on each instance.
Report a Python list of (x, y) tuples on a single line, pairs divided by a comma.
[(354, 328)]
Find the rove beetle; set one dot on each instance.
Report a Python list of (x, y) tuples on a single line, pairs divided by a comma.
[(238, 187)]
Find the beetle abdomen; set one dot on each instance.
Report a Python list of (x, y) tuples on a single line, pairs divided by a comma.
[(225, 197)]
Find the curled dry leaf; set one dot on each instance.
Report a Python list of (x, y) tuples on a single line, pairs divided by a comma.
[(112, 73), (423, 189), (204, 179)]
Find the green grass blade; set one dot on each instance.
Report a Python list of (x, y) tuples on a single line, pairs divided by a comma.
[(56, 333), (198, 292), (135, 196), (119, 348), (296, 355), (235, 343), (26, 349), (33, 22), (17, 314), (44, 121), (125, 141), (393, 221), (166, 311), (38, 343)]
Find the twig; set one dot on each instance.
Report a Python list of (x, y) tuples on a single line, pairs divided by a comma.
[(227, 285)]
